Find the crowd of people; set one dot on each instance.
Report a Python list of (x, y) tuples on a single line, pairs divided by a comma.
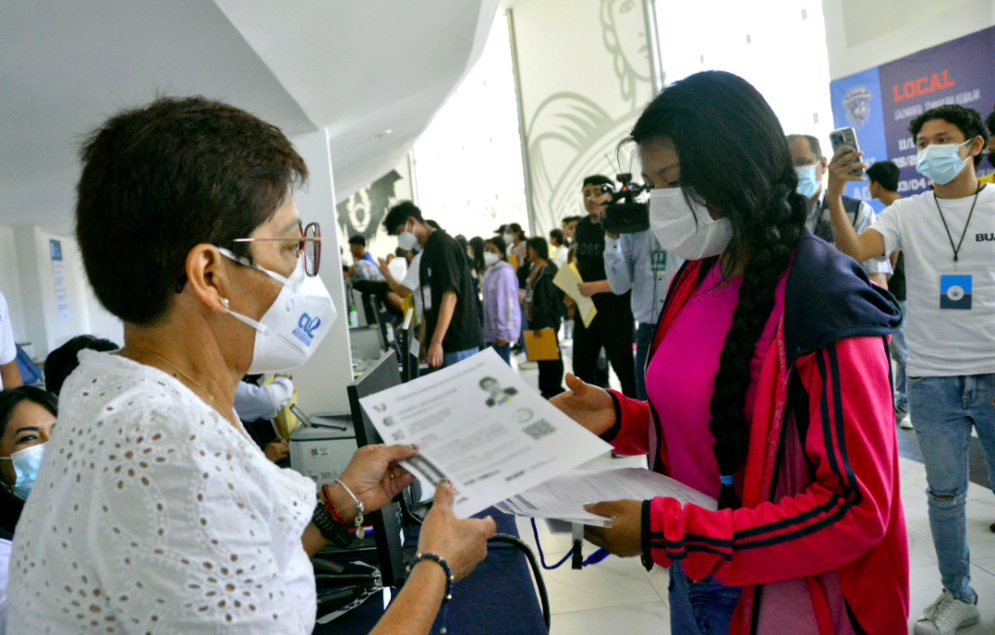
[(753, 330)]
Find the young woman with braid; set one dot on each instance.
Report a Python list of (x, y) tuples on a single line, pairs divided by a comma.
[(768, 390)]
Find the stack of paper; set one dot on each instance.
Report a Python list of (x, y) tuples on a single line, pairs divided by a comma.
[(568, 279), (564, 497)]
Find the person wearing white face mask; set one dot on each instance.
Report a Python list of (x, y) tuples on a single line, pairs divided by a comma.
[(159, 513), (452, 323), (767, 388), (810, 164), (947, 236), (502, 317)]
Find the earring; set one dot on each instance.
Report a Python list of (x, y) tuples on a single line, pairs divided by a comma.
[(224, 303)]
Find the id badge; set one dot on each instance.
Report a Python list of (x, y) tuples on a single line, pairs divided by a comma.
[(955, 291)]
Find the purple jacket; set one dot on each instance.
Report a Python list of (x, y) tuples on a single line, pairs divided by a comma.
[(502, 315)]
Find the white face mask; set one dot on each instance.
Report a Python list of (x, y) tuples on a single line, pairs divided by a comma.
[(509, 239), (294, 325), (491, 258), (688, 232), (406, 240)]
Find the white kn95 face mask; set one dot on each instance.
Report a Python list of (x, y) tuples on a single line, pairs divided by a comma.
[(294, 325)]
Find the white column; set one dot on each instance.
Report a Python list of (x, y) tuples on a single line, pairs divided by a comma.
[(321, 383)]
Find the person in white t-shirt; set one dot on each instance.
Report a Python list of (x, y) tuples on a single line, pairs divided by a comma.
[(948, 238), (10, 374)]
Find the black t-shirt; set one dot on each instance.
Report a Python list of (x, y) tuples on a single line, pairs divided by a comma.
[(590, 253), (444, 266)]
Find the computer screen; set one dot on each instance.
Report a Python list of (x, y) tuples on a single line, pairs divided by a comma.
[(409, 364), (386, 522)]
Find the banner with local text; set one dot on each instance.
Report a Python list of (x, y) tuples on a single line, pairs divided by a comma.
[(879, 103)]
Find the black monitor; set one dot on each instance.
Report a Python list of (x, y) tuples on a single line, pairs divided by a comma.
[(409, 356), (386, 522)]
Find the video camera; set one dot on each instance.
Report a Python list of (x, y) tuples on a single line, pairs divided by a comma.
[(622, 214)]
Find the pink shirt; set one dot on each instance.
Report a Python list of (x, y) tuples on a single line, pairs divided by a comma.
[(681, 376)]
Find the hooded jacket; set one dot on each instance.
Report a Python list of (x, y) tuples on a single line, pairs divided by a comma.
[(819, 544)]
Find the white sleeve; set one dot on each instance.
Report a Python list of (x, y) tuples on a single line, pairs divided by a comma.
[(411, 277), (8, 351), (254, 402), (888, 226)]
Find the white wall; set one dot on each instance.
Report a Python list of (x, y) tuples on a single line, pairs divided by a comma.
[(861, 34), (321, 383)]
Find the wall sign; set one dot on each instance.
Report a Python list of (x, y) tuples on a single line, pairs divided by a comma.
[(881, 102)]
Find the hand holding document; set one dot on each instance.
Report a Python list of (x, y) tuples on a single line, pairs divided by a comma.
[(568, 279), (480, 425), (564, 497)]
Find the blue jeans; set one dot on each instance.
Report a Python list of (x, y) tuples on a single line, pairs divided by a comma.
[(900, 354), (644, 339), (700, 608), (504, 350), (448, 359), (944, 409)]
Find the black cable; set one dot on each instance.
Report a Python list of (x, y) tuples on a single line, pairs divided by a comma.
[(516, 542)]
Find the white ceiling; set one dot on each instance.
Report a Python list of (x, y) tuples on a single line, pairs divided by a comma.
[(358, 68)]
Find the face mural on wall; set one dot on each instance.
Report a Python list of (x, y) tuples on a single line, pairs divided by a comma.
[(570, 133), (362, 212)]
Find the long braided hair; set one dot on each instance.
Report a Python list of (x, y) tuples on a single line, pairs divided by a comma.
[(734, 159)]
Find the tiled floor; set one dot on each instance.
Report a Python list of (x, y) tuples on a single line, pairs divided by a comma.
[(619, 596)]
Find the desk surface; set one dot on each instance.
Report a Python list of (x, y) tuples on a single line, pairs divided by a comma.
[(498, 597)]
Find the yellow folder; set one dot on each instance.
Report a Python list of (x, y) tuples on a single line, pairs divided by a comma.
[(541, 345)]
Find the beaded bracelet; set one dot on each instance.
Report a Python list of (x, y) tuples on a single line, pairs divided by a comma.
[(334, 532), (450, 581)]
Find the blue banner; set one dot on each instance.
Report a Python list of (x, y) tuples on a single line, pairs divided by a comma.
[(880, 102)]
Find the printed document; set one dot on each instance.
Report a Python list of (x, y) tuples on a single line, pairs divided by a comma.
[(568, 279), (564, 497), (481, 426)]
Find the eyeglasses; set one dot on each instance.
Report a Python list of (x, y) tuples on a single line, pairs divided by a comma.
[(309, 245)]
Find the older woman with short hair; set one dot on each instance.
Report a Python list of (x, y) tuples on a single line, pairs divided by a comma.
[(154, 511)]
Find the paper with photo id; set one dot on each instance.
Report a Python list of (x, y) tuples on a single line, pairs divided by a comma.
[(564, 497), (479, 425)]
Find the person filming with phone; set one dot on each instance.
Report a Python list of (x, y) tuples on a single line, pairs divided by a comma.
[(947, 235), (810, 165)]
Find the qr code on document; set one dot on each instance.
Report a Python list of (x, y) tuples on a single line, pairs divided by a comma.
[(539, 429)]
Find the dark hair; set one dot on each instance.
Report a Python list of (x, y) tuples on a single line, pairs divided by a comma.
[(400, 253), (517, 230), (598, 179), (11, 398), (358, 240), (434, 225), (399, 215), (557, 234), (885, 174), (477, 244), (61, 362), (967, 120), (716, 119), (990, 123), (572, 219), (538, 243), (498, 242), (161, 179), (462, 241), (500, 230), (813, 143)]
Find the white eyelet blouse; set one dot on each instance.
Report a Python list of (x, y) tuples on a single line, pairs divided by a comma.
[(153, 514)]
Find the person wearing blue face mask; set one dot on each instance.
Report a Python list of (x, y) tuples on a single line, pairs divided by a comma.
[(27, 415), (810, 166), (948, 238)]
